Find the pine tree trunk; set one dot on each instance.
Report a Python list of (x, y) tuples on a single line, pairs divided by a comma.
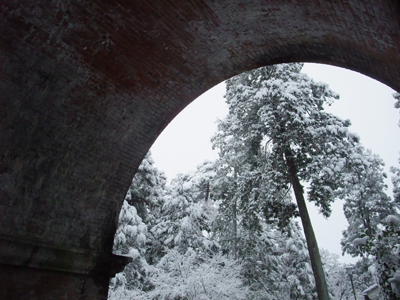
[(315, 257), (207, 192), (234, 228), (234, 215)]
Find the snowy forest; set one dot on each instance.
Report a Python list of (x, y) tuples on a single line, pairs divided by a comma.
[(238, 227)]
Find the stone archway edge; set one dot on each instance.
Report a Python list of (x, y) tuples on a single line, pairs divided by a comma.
[(79, 262)]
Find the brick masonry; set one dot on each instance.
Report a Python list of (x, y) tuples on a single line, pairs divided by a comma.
[(87, 86), (32, 284)]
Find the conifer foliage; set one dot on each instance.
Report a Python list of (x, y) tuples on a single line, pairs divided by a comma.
[(374, 220), (184, 219), (277, 126), (366, 204), (138, 214)]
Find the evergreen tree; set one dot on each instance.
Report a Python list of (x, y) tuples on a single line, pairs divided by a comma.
[(396, 184), (245, 199), (225, 225), (261, 264), (184, 220), (385, 250), (278, 129), (396, 170), (147, 190), (259, 235), (296, 276), (338, 281), (130, 240), (202, 181), (133, 237), (367, 209), (242, 229), (366, 203)]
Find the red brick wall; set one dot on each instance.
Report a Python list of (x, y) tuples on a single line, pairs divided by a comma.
[(87, 86)]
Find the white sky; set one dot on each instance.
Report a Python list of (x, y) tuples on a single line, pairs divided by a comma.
[(185, 143)]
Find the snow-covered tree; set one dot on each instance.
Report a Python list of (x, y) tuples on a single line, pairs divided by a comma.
[(278, 266), (185, 217), (129, 240), (195, 276), (338, 280), (296, 272), (385, 249), (202, 182), (261, 264), (275, 265), (132, 237), (131, 233), (147, 190), (366, 204), (396, 170), (278, 128), (118, 289), (242, 229), (245, 198), (369, 212), (396, 184), (379, 235)]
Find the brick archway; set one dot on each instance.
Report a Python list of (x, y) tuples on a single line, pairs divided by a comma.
[(87, 86)]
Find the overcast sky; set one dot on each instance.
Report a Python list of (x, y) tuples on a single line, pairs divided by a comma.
[(185, 143)]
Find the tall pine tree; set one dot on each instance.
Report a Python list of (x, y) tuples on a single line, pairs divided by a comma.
[(277, 127)]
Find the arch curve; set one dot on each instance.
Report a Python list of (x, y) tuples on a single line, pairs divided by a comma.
[(87, 86)]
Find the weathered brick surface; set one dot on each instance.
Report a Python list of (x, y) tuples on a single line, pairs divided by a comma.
[(20, 283), (87, 86)]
